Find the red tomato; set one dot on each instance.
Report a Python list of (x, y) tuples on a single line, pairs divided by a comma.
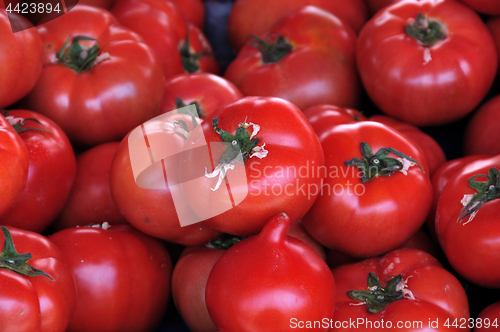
[(90, 200), (308, 58), (489, 7), (193, 11), (151, 208), (467, 222), (407, 290), (21, 58), (207, 91), (106, 101), (254, 17), (488, 319), (268, 282), (122, 277), (276, 171), (13, 165), (483, 130), (37, 293), (52, 168), (362, 211), (493, 24), (325, 116), (414, 79)]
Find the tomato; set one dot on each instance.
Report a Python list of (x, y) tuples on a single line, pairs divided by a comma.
[(467, 222), (254, 17), (262, 159), (493, 24), (268, 282), (307, 58), (488, 319), (323, 117), (407, 290), (148, 204), (207, 91), (483, 130), (21, 58), (489, 7), (37, 291), (370, 202), (193, 11), (51, 173), (105, 101), (122, 277), (412, 76), (90, 200)]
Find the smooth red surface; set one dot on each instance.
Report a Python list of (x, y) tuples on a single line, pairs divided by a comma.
[(483, 130)]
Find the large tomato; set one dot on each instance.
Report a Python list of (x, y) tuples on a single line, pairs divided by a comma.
[(21, 58), (37, 291), (483, 130), (122, 277), (426, 62), (254, 17), (375, 195), (262, 159), (90, 95), (269, 282), (488, 319), (405, 290), (324, 116), (52, 168), (467, 222), (308, 58)]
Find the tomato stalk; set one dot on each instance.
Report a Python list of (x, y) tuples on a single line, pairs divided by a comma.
[(11, 260), (380, 163), (76, 56), (190, 59), (486, 191), (426, 30), (226, 242), (199, 109), (18, 123), (272, 51)]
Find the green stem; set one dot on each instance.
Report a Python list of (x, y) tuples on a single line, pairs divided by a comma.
[(75, 56), (377, 297), (226, 242), (272, 51), (190, 60), (235, 144), (427, 30)]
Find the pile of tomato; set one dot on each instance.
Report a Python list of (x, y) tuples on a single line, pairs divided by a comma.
[(250, 165)]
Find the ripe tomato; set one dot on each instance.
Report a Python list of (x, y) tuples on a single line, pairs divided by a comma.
[(489, 7), (411, 76), (268, 282), (193, 11), (102, 102), (37, 291), (51, 173), (254, 17), (467, 222), (262, 159), (369, 204), (90, 200), (323, 117), (307, 58), (13, 165), (207, 91), (21, 58), (407, 290), (488, 319), (122, 277), (483, 130)]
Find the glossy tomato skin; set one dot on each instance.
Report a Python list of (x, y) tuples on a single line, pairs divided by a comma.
[(419, 84), (285, 180), (438, 294), (483, 131), (90, 200), (472, 246), (364, 219), (208, 91), (488, 319), (249, 17), (51, 173), (325, 116), (320, 68), (14, 165), (262, 282), (122, 277), (106, 101), (36, 303), (21, 56)]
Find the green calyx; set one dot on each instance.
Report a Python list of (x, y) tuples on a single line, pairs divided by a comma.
[(76, 57), (378, 297), (226, 242), (190, 59), (426, 30), (373, 165), (486, 191), (11, 260), (272, 51), (239, 143)]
